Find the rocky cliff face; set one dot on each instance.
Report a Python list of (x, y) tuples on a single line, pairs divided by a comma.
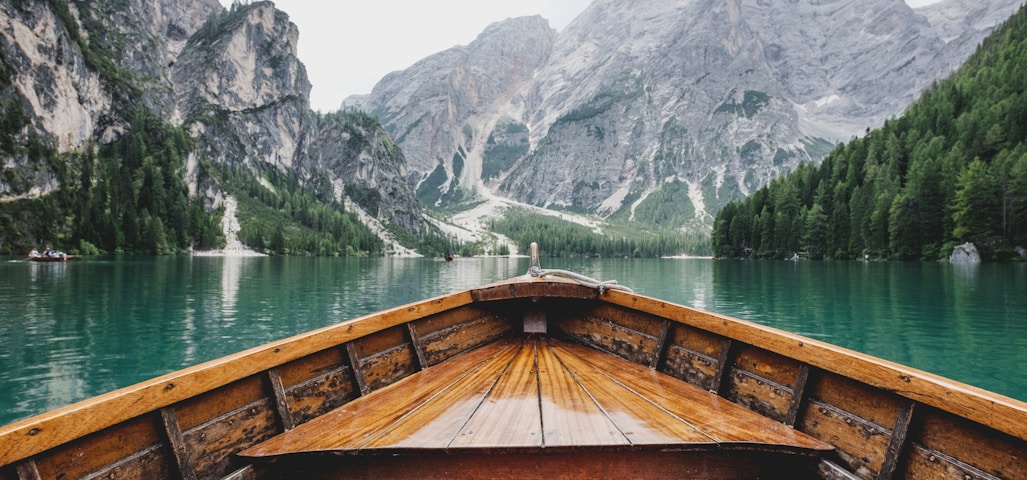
[(242, 92), (74, 71), (67, 75), (443, 109), (662, 111)]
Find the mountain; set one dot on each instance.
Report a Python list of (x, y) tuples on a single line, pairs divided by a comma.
[(952, 169), (126, 125), (661, 112)]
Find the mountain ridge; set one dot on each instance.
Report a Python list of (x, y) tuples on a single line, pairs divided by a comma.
[(693, 103)]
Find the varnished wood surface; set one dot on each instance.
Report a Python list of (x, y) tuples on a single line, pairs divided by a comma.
[(536, 393), (25, 438), (979, 405)]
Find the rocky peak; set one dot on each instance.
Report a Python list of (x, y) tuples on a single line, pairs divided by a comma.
[(463, 92), (662, 111), (248, 61)]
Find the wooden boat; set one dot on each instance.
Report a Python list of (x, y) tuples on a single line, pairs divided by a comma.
[(538, 376), (55, 259)]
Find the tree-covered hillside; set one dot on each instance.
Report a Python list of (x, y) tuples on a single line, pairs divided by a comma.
[(952, 169), (129, 191)]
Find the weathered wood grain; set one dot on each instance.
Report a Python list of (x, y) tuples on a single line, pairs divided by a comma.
[(351, 426), (642, 420), (443, 344), (718, 419), (509, 416), (978, 447), (962, 400), (25, 438), (438, 421), (99, 451), (321, 394)]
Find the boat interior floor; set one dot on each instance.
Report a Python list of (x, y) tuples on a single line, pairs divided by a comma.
[(545, 406)]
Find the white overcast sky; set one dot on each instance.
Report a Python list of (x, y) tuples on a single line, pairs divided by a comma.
[(347, 46)]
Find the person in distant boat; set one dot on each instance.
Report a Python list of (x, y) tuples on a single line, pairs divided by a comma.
[(48, 252), (34, 253)]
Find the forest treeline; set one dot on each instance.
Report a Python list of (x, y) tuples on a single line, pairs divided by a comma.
[(127, 196), (951, 169), (560, 238)]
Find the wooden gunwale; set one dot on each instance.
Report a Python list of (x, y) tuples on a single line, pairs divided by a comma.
[(976, 404), (28, 437)]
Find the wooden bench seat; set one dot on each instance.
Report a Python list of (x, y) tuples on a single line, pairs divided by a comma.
[(520, 397)]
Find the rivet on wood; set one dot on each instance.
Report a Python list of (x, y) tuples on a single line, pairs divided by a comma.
[(34, 432)]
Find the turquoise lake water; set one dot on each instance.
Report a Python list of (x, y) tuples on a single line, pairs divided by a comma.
[(72, 331)]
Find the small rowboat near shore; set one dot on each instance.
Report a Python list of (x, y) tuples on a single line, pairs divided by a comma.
[(546, 375), (55, 259)]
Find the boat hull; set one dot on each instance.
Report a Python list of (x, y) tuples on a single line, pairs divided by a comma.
[(63, 259), (882, 420)]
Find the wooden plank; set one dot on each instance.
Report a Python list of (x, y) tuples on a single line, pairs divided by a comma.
[(943, 434), (27, 471), (570, 416), (634, 321), (723, 366), (204, 408), (432, 324), (176, 439), (388, 367), (436, 423), (831, 471), (898, 444), (212, 446), (415, 340), (510, 415), (351, 426), (25, 438), (767, 365), (1003, 413), (716, 417), (871, 404), (311, 366), (321, 394), (549, 288), (695, 368), (612, 337), (281, 399), (661, 345), (639, 420), (860, 445), (119, 444), (382, 341), (925, 463), (798, 396), (357, 369), (757, 394), (444, 344)]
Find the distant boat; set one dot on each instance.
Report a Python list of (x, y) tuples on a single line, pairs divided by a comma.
[(53, 259), (547, 375)]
